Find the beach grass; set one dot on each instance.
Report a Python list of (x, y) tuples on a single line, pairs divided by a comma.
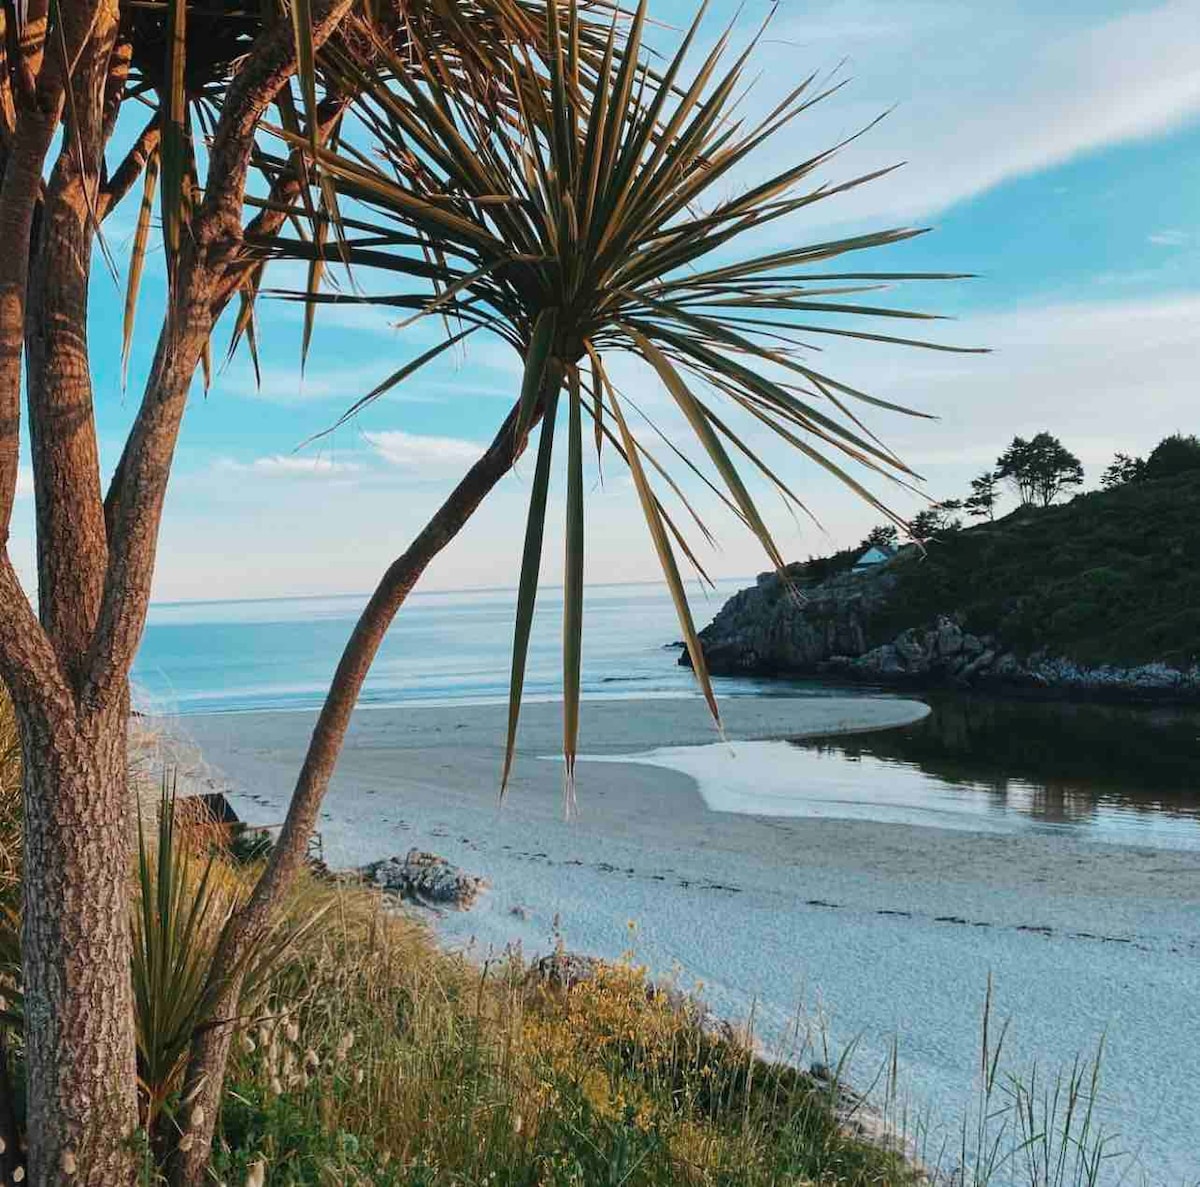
[(383, 1059)]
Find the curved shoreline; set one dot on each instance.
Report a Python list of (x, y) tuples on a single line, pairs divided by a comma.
[(897, 927)]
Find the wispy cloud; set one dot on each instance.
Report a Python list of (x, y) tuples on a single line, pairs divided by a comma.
[(1104, 375), (339, 374), (291, 465), (284, 384), (1010, 90), (423, 456), (1174, 238)]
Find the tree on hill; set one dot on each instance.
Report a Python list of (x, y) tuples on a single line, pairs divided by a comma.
[(984, 495), (1122, 470), (514, 175), (1039, 470), (936, 520), (1173, 455), (884, 535)]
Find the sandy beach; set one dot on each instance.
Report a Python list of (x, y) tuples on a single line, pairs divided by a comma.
[(881, 930)]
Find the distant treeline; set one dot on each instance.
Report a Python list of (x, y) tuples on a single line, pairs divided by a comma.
[(1039, 471)]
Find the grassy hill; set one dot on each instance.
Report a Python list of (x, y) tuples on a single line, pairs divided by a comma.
[(1111, 577)]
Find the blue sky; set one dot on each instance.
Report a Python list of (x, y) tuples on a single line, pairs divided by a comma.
[(1056, 154)]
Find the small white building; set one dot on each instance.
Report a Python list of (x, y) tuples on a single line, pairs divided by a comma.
[(875, 555)]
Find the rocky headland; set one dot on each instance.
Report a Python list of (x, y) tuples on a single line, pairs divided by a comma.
[(1066, 599)]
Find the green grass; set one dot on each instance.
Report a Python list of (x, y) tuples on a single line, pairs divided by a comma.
[(376, 1057), (384, 1060)]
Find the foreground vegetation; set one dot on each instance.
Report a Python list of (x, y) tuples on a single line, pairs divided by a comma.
[(366, 1054), (383, 1060), (527, 171)]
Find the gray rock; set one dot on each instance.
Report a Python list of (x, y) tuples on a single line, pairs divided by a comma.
[(564, 969), (772, 628), (1006, 667), (427, 879), (980, 663), (971, 646), (776, 628), (912, 649), (949, 638)]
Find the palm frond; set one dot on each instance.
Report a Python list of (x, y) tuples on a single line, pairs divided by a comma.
[(585, 219)]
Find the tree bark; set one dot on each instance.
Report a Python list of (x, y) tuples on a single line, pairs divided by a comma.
[(72, 548), (68, 674), (210, 1052), (80, 1053)]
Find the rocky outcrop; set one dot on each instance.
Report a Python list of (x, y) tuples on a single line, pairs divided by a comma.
[(947, 653), (565, 970), (838, 628), (426, 879), (774, 629)]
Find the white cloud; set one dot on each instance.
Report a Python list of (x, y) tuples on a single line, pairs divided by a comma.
[(1102, 375), (484, 367), (285, 384), (24, 482), (423, 456), (291, 465), (983, 93), (1174, 238)]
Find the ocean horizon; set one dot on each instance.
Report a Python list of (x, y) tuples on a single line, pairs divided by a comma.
[(444, 647)]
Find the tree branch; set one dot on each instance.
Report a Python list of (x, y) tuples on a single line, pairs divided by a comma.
[(72, 549), (285, 191), (28, 664), (285, 188), (19, 195), (270, 66), (8, 54), (130, 169), (30, 53), (119, 62), (38, 104)]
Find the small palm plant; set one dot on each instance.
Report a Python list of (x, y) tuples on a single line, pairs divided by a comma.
[(587, 223), (184, 904)]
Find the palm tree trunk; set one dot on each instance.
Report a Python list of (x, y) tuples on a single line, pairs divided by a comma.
[(210, 1053), (80, 1052)]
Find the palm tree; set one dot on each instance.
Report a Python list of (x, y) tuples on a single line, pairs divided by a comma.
[(184, 87), (581, 223), (586, 225), (544, 183)]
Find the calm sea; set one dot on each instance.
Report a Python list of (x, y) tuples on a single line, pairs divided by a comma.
[(1120, 773), (212, 657)]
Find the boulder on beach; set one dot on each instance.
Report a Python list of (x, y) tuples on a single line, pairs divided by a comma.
[(427, 879), (564, 970)]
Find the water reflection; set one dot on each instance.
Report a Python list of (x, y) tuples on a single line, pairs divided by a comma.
[(1056, 762)]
